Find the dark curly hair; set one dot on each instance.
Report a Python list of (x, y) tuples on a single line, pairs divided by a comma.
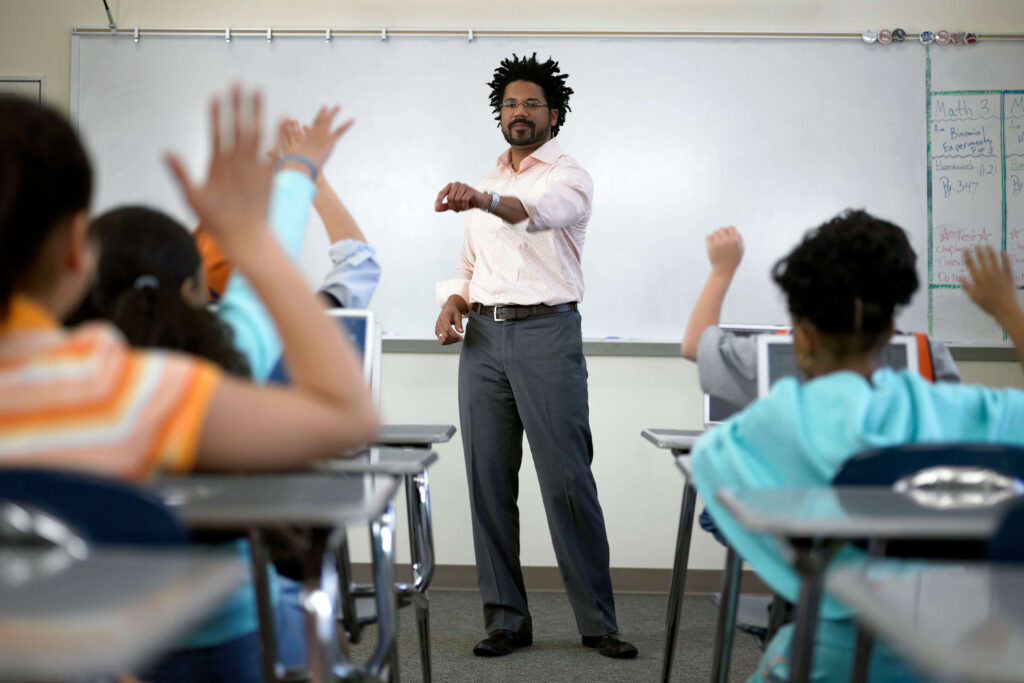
[(849, 276), (137, 242), (545, 74)]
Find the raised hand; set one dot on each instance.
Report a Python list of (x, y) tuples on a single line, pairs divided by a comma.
[(460, 197), (315, 142), (232, 202), (725, 249), (991, 286)]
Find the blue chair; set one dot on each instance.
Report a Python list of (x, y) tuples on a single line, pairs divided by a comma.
[(886, 466), (1007, 545), (99, 509)]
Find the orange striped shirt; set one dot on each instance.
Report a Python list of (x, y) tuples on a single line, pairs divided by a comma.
[(84, 399)]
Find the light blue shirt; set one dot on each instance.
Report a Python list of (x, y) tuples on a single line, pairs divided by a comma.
[(255, 334), (799, 435), (351, 280), (354, 273)]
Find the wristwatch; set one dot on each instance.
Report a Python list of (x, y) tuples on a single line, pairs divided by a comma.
[(495, 199)]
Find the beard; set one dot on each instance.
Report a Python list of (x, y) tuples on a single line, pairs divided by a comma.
[(523, 137)]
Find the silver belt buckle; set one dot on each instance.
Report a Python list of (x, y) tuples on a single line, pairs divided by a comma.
[(494, 314)]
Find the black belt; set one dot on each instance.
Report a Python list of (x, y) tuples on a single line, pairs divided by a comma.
[(513, 312)]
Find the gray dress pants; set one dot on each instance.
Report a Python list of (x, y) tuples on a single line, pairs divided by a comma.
[(530, 374)]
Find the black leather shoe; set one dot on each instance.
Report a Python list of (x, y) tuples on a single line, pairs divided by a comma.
[(611, 645), (501, 642)]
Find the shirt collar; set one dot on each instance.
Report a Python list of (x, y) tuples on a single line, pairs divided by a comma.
[(23, 314), (548, 153)]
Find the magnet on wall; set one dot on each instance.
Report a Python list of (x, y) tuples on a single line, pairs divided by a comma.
[(942, 37), (885, 36), (971, 38), (869, 36), (899, 35), (927, 37)]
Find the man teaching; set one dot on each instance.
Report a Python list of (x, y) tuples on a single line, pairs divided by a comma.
[(519, 280)]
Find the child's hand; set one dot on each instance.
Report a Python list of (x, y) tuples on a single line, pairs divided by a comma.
[(725, 250), (232, 202), (991, 286)]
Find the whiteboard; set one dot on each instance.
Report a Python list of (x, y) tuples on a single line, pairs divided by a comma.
[(976, 167), (681, 136)]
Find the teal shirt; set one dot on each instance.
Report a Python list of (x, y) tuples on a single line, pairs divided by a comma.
[(799, 435)]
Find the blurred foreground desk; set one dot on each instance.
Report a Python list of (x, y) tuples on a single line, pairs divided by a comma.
[(324, 505), (69, 619), (816, 522), (961, 622)]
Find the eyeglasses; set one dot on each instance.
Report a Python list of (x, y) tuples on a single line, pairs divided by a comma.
[(528, 105)]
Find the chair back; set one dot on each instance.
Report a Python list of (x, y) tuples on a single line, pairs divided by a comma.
[(886, 466), (99, 509), (1007, 545)]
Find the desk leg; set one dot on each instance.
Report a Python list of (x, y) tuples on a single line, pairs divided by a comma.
[(812, 558), (678, 585), (382, 533), (862, 656), (421, 536), (726, 618), (319, 596), (264, 610)]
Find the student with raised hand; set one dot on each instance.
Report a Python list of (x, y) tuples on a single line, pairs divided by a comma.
[(354, 272), (727, 362), (91, 402), (842, 309)]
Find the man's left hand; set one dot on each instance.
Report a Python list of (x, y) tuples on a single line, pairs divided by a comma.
[(460, 197)]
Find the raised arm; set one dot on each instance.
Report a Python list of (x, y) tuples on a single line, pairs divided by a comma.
[(328, 408), (725, 251), (992, 289), (255, 333)]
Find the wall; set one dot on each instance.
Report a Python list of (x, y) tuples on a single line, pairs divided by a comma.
[(639, 487)]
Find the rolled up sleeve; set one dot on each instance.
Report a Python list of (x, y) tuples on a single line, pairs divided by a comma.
[(354, 274), (567, 201)]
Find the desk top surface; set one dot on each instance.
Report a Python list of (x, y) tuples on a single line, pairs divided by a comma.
[(413, 435), (676, 439), (253, 501), (397, 461), (850, 512), (62, 618), (962, 622)]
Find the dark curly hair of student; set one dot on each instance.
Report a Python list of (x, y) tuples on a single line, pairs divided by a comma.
[(145, 259), (545, 74), (848, 277), (45, 178)]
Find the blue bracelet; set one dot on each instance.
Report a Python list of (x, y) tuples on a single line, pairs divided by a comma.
[(298, 158)]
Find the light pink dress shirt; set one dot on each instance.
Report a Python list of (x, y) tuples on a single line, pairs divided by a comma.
[(535, 261)]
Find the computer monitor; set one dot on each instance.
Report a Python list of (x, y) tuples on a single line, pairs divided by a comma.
[(775, 358), (360, 326), (716, 409)]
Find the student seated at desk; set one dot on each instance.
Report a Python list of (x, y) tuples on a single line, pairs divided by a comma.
[(843, 284), (727, 362), (83, 399)]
